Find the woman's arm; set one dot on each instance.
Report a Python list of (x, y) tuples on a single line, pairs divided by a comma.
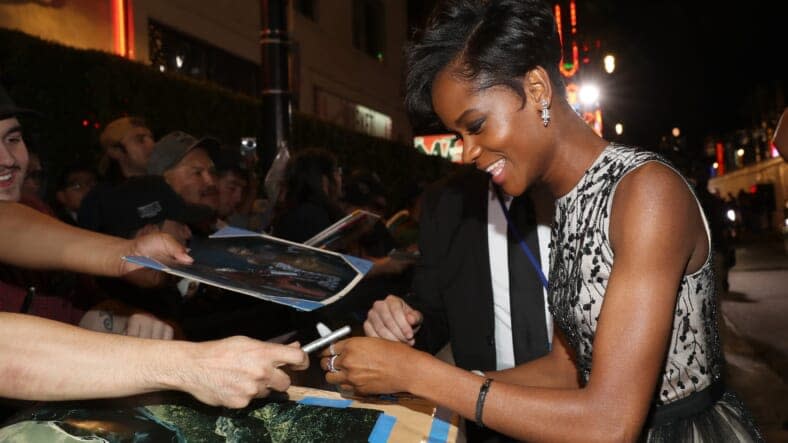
[(557, 369), (655, 228)]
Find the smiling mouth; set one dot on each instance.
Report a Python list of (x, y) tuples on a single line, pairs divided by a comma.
[(7, 177), (496, 167)]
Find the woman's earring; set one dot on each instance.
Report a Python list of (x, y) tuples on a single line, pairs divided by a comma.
[(545, 113)]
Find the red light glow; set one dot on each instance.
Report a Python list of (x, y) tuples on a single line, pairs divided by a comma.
[(123, 28), (720, 150), (575, 65), (573, 16)]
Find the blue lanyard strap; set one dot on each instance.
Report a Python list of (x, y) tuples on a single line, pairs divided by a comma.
[(520, 240)]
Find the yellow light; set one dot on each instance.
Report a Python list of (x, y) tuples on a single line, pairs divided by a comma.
[(740, 152), (610, 63), (589, 94), (715, 165), (619, 128), (676, 132)]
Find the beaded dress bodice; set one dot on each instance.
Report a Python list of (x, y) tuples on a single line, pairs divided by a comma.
[(581, 261)]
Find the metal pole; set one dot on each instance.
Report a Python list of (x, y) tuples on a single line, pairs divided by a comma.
[(276, 97)]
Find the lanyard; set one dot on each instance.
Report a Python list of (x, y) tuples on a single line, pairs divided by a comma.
[(520, 240)]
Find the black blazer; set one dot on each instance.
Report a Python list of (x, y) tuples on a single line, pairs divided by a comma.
[(452, 282)]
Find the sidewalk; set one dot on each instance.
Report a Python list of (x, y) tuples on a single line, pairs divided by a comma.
[(754, 333), (757, 384)]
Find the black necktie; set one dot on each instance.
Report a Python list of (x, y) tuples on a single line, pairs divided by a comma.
[(525, 289)]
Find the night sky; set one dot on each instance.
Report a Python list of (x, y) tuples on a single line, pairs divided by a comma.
[(703, 66), (706, 67)]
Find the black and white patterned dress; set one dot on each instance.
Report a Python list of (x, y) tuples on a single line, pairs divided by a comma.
[(690, 403)]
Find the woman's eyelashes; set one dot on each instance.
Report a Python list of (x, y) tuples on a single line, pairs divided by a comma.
[(475, 126)]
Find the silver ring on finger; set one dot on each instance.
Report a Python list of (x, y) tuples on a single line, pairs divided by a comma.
[(331, 367), (331, 350)]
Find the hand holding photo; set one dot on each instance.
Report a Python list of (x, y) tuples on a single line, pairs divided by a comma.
[(268, 268)]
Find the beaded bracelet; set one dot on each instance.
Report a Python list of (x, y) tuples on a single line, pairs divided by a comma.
[(480, 400)]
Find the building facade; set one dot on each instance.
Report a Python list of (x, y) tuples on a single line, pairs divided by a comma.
[(346, 55)]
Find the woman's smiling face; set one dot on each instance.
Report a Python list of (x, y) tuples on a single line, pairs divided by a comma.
[(498, 130)]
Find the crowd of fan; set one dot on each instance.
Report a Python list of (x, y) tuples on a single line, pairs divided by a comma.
[(156, 198)]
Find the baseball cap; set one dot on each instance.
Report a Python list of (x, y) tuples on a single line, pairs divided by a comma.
[(9, 109), (115, 130), (140, 201), (171, 148)]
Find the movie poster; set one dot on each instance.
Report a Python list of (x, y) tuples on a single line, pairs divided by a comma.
[(183, 419)]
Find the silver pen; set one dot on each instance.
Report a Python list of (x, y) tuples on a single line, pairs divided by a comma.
[(330, 338)]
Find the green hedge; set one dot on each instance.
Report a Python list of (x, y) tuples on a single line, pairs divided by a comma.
[(70, 86)]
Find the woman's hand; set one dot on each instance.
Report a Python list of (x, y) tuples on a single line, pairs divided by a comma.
[(369, 365)]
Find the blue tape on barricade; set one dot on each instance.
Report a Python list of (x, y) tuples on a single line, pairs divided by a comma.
[(439, 431), (328, 402), (380, 433)]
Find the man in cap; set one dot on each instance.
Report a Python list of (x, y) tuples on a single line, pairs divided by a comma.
[(186, 165)]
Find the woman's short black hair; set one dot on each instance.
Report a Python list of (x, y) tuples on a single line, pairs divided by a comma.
[(494, 42)]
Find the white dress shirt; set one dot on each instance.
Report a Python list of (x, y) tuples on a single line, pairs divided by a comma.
[(499, 274)]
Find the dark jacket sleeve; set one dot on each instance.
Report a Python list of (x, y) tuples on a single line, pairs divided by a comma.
[(427, 295)]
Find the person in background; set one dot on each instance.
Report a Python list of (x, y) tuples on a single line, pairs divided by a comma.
[(237, 184), (127, 143), (34, 177), (404, 224), (186, 165), (637, 354), (33, 187), (73, 184), (363, 189), (311, 195)]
